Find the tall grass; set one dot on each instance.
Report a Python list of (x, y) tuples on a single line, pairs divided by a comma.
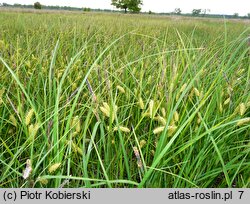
[(100, 100)]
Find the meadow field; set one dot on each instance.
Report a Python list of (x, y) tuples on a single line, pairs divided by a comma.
[(113, 100)]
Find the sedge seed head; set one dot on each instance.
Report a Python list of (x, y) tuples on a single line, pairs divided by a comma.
[(74, 86), (54, 167), (28, 116), (171, 87), (76, 123), (151, 107), (146, 114), (121, 89), (76, 149), (74, 134), (196, 92), (191, 94), (141, 104), (158, 130), (161, 120), (105, 111), (243, 121), (142, 143), (78, 126), (227, 101), (184, 86), (176, 116), (43, 181), (105, 105), (171, 130), (114, 111), (13, 120), (1, 95), (163, 112), (242, 109), (33, 129), (248, 104), (220, 108), (198, 121), (172, 122), (124, 129)]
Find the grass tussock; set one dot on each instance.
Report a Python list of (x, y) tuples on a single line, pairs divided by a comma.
[(100, 100)]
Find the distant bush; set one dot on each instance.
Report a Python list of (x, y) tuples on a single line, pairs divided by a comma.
[(236, 15), (86, 9), (177, 11), (196, 12)]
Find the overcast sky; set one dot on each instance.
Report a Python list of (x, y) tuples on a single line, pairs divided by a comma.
[(216, 6)]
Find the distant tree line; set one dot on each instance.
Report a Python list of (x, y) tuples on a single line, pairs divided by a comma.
[(133, 6), (37, 5), (203, 13)]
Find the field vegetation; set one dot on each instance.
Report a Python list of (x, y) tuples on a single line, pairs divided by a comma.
[(114, 100)]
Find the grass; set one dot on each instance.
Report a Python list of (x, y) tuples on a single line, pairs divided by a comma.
[(111, 100)]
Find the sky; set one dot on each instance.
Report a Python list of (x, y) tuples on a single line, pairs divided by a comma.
[(216, 6)]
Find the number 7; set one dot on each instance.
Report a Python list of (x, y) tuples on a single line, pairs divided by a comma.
[(241, 193)]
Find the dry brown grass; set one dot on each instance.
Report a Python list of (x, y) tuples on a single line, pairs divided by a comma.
[(25, 10)]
